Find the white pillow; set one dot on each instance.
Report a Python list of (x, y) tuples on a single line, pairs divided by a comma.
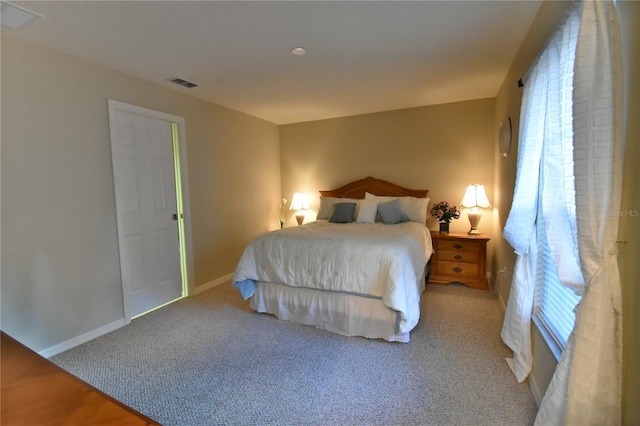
[(326, 205), (414, 208), (367, 211)]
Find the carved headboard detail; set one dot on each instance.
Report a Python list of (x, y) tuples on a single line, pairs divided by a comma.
[(356, 189)]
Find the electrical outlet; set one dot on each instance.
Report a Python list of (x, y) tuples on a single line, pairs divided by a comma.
[(502, 276)]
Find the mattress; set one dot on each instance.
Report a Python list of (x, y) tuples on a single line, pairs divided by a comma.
[(353, 279)]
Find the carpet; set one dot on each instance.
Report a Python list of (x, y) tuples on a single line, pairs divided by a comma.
[(211, 360)]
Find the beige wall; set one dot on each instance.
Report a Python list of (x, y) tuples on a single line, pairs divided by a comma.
[(442, 148), (60, 264), (508, 103)]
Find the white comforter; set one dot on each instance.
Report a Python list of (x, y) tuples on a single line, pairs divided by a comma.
[(371, 260)]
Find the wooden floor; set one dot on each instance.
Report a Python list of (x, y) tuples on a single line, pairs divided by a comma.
[(34, 391)]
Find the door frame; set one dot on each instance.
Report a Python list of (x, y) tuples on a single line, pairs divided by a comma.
[(182, 195)]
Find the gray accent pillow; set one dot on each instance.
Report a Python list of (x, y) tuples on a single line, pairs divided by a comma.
[(327, 203), (391, 213), (414, 208), (343, 213)]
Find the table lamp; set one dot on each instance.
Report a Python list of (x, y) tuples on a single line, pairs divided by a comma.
[(475, 197), (298, 204)]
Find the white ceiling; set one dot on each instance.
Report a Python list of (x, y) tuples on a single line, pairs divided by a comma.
[(362, 56)]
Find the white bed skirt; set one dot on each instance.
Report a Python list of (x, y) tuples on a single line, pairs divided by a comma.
[(341, 313)]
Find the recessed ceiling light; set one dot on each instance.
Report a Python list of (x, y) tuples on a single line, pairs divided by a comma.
[(298, 51), (16, 17)]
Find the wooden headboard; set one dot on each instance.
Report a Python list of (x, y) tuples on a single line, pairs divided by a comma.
[(356, 189)]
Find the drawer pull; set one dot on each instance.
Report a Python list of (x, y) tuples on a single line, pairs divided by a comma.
[(457, 270), (458, 246), (457, 256)]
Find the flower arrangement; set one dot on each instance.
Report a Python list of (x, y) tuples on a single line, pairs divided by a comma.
[(282, 204), (444, 212)]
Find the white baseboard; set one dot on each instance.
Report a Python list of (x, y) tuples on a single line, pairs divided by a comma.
[(83, 338), (535, 389), (204, 287), (498, 289), (492, 282), (502, 302)]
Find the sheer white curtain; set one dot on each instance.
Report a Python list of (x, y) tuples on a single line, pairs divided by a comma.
[(586, 387), (544, 184)]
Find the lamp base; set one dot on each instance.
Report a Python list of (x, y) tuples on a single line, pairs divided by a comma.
[(300, 218), (474, 219)]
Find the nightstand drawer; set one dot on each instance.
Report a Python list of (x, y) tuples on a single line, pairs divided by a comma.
[(458, 269), (465, 246), (470, 256)]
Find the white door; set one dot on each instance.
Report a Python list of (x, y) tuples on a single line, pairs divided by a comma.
[(145, 188)]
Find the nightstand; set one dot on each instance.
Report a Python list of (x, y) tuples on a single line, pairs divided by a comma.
[(459, 257)]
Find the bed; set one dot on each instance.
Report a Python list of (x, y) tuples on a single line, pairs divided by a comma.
[(358, 270)]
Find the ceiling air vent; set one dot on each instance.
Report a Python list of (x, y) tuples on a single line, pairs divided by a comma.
[(16, 17), (182, 82)]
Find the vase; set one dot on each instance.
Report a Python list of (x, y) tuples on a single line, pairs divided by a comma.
[(444, 227)]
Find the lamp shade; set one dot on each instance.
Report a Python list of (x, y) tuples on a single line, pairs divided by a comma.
[(475, 196), (299, 202)]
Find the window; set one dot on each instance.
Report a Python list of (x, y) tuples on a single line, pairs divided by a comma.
[(547, 177), (554, 303)]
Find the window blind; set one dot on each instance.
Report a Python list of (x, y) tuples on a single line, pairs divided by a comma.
[(554, 303)]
